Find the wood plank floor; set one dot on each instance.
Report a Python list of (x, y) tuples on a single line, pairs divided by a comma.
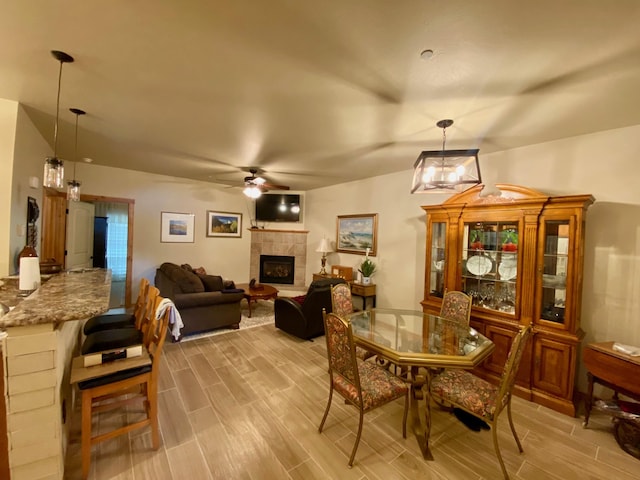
[(247, 404)]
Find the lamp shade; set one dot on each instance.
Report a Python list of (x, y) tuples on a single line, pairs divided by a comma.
[(325, 246), (446, 170)]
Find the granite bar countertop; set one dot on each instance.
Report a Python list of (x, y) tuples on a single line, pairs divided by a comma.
[(74, 295)]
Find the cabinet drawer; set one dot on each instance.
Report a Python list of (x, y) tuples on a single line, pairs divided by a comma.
[(363, 290)]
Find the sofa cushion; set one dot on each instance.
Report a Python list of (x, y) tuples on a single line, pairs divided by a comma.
[(187, 281), (212, 283)]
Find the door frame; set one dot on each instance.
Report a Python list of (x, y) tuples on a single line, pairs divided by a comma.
[(54, 229)]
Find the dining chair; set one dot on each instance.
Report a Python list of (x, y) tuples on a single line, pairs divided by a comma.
[(114, 338), (109, 321), (456, 306), (363, 384), (341, 304), (125, 387), (480, 398)]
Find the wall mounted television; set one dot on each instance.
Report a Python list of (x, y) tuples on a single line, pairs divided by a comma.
[(278, 207)]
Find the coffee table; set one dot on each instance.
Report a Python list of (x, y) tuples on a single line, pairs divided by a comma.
[(258, 292)]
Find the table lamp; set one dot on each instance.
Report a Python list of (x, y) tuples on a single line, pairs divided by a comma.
[(324, 248)]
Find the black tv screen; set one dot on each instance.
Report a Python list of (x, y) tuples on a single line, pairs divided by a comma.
[(278, 207)]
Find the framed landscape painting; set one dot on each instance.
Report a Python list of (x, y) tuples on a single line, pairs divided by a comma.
[(177, 227), (357, 233), (224, 224)]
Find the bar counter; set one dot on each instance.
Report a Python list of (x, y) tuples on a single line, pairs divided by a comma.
[(42, 338), (64, 297)]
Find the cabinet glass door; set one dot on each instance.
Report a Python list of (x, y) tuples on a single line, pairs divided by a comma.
[(438, 258), (490, 264), (554, 270)]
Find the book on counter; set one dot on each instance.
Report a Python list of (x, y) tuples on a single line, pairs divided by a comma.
[(98, 358)]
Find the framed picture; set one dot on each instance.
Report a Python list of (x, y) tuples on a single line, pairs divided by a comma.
[(177, 227), (224, 224), (357, 233)]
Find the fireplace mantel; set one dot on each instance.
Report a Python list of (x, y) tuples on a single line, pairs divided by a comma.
[(279, 242)]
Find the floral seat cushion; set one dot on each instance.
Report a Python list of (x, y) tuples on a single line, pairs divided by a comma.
[(466, 390), (378, 386)]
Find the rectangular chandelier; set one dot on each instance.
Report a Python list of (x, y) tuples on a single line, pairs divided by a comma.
[(446, 170)]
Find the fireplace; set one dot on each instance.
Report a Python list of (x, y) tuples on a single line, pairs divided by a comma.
[(277, 269)]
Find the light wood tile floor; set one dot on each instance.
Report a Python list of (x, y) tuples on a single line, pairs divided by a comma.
[(247, 404)]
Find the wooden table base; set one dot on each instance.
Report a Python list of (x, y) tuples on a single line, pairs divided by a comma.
[(420, 385)]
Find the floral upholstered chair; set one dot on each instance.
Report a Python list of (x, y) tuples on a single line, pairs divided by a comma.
[(456, 306), (362, 384), (342, 305), (480, 398)]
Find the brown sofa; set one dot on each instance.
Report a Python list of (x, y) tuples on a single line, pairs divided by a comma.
[(205, 302)]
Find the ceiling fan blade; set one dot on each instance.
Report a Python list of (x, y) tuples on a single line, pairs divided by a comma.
[(271, 186)]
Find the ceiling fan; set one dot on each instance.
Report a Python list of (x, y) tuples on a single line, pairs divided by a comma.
[(256, 186)]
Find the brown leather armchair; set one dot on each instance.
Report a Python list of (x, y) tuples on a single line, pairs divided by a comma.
[(302, 316)]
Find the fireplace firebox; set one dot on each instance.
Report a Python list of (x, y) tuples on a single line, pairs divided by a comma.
[(277, 269)]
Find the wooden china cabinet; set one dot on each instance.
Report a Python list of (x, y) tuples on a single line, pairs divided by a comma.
[(519, 256)]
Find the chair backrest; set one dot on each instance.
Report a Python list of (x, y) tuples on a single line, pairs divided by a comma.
[(141, 301), (318, 297), (511, 367), (150, 310), (157, 331), (456, 306), (341, 350), (341, 303)]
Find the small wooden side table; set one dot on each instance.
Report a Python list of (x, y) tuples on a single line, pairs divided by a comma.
[(612, 369), (364, 292), (262, 292)]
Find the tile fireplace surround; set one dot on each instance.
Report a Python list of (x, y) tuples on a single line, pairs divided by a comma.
[(279, 242)]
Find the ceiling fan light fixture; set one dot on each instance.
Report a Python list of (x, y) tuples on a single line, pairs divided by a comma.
[(446, 170), (252, 191), (53, 166), (73, 186)]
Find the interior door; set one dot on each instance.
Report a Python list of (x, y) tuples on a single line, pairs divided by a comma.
[(80, 235)]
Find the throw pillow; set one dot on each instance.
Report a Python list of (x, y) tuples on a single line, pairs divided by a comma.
[(212, 283), (299, 299)]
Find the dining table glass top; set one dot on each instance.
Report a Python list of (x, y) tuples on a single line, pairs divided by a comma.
[(414, 338)]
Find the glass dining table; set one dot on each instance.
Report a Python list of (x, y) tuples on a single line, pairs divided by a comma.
[(416, 343)]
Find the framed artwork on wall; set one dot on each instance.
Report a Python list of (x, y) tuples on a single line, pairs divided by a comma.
[(357, 234), (224, 224), (177, 227)]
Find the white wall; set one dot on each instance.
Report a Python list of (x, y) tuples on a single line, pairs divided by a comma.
[(31, 149), (604, 164), (8, 115)]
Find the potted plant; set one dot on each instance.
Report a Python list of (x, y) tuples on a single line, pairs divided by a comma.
[(367, 269), (475, 240), (510, 243)]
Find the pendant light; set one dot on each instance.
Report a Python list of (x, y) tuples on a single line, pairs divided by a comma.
[(73, 186), (446, 170), (53, 166)]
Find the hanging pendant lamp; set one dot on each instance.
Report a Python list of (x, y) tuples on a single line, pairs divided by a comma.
[(73, 186), (446, 170), (53, 166)]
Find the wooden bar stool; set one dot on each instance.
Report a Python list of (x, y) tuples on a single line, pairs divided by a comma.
[(121, 382)]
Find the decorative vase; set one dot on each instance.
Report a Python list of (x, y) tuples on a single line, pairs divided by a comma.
[(29, 279), (366, 280)]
